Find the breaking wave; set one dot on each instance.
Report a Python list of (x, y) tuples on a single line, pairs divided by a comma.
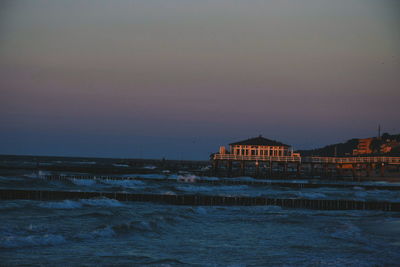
[(66, 204), (73, 204), (121, 165), (104, 202), (123, 183), (310, 195), (84, 182), (100, 232)]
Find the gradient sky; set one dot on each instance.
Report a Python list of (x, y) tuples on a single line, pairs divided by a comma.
[(177, 78)]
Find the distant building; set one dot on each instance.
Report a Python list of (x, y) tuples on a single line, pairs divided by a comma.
[(386, 148), (363, 147), (258, 146), (389, 145)]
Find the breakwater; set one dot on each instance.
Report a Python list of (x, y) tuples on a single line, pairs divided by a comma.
[(298, 185), (203, 200)]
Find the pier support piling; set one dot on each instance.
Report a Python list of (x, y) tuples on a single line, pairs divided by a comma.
[(298, 173), (229, 168), (242, 168), (383, 169), (257, 169), (215, 163)]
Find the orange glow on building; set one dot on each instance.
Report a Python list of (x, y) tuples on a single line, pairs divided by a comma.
[(363, 147), (260, 146)]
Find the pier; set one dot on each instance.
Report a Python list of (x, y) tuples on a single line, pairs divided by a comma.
[(272, 166)]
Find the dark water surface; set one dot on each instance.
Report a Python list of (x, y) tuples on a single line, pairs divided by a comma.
[(106, 232)]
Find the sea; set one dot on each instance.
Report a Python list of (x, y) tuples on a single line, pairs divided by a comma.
[(107, 232)]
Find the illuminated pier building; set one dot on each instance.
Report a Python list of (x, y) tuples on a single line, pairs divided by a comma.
[(259, 146)]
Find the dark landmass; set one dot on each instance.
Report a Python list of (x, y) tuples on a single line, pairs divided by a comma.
[(346, 148), (339, 149)]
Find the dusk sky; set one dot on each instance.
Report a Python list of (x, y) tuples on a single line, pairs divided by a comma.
[(178, 78)]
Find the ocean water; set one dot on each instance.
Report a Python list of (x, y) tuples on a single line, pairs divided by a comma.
[(106, 232)]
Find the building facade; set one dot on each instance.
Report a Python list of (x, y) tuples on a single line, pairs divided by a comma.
[(363, 147), (258, 146)]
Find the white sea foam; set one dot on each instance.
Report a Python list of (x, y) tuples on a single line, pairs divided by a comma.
[(101, 232), (84, 182), (206, 168), (150, 167), (358, 188), (104, 202), (201, 210), (104, 232), (32, 175), (187, 178), (311, 195), (120, 165), (66, 204), (172, 177), (124, 183), (72, 204), (12, 241)]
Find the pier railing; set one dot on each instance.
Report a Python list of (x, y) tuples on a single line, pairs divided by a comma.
[(333, 160), (256, 158), (352, 160)]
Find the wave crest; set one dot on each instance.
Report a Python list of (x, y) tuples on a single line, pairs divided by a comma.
[(31, 240)]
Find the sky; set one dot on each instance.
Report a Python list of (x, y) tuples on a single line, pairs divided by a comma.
[(179, 78)]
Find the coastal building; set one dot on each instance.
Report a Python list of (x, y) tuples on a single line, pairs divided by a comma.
[(263, 157), (363, 147), (258, 146), (389, 145)]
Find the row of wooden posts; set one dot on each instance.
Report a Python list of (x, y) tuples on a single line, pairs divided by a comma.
[(203, 200), (297, 185)]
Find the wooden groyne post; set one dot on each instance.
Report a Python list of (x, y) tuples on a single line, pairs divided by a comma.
[(203, 200)]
